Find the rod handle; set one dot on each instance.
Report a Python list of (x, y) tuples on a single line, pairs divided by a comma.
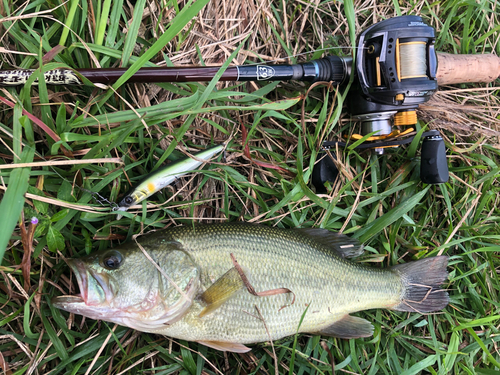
[(454, 69)]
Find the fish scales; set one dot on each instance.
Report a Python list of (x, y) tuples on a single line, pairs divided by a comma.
[(321, 281), (189, 287)]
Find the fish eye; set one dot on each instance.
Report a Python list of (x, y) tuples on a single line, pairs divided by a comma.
[(112, 260), (129, 200)]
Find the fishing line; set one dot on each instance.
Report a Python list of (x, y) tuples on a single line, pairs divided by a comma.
[(304, 53), (412, 59)]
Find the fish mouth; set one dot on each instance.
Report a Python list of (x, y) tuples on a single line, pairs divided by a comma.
[(64, 302), (94, 288), (81, 275)]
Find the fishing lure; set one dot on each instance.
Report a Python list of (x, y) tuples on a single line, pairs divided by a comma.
[(165, 176)]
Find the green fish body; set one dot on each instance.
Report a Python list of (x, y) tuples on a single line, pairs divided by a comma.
[(195, 288)]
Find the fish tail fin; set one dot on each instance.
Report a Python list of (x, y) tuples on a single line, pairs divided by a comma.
[(422, 285)]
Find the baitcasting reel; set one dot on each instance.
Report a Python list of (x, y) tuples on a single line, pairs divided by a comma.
[(395, 72)]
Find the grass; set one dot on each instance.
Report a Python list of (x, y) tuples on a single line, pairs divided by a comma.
[(378, 199)]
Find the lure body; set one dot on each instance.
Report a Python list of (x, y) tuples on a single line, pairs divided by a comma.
[(165, 176)]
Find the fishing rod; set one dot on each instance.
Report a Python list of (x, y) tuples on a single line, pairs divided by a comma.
[(452, 69), (396, 70)]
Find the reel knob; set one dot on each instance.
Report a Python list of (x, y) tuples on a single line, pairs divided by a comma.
[(433, 164), (323, 171)]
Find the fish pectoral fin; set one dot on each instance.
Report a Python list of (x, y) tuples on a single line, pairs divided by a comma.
[(226, 346), (221, 290), (349, 327), (343, 245)]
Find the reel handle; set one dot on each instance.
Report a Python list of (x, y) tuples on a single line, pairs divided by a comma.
[(433, 163), (453, 69), (324, 171)]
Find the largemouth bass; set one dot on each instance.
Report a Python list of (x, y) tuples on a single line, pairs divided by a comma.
[(227, 285)]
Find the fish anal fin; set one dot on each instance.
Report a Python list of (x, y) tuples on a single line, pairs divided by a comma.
[(221, 290), (349, 327), (345, 246), (226, 346)]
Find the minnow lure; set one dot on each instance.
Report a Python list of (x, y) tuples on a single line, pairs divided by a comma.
[(164, 176)]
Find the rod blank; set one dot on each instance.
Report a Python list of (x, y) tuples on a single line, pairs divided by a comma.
[(331, 68)]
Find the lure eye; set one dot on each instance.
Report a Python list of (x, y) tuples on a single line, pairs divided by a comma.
[(129, 200), (112, 261)]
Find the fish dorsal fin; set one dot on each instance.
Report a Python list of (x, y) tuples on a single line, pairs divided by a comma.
[(221, 290), (162, 239), (349, 327), (344, 245), (226, 346)]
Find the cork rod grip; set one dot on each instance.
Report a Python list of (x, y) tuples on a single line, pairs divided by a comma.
[(454, 69)]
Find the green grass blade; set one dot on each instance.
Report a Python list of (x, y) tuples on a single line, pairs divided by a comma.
[(103, 19), (417, 368), (69, 22), (350, 15), (483, 347), (390, 217), (13, 201), (132, 32)]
